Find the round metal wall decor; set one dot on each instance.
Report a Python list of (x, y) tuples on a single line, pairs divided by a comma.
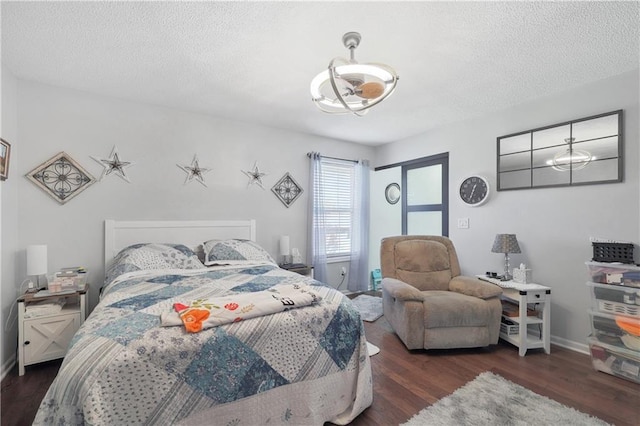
[(392, 193)]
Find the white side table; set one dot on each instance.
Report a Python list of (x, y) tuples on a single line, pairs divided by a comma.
[(47, 337), (524, 295)]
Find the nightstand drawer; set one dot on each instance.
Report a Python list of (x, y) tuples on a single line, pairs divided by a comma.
[(48, 338)]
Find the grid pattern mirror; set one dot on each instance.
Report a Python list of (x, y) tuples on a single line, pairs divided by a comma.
[(578, 152)]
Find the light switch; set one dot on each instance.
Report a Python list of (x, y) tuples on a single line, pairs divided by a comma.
[(463, 223)]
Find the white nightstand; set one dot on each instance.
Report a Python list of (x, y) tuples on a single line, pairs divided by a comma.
[(47, 337), (532, 331)]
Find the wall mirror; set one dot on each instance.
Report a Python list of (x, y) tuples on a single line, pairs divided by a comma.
[(578, 152), (392, 193)]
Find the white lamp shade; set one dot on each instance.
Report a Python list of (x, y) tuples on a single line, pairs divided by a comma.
[(284, 245), (37, 260)]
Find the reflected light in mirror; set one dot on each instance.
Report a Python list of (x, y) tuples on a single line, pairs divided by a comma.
[(570, 159)]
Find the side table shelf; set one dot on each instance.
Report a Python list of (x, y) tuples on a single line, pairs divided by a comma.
[(299, 268), (47, 337), (536, 329)]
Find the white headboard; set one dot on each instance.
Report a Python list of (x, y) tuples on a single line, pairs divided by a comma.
[(192, 233)]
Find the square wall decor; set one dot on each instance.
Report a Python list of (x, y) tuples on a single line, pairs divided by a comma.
[(287, 190), (61, 177)]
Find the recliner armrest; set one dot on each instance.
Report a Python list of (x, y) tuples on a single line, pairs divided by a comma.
[(474, 287), (401, 290)]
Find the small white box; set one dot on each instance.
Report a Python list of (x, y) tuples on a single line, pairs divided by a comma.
[(522, 276)]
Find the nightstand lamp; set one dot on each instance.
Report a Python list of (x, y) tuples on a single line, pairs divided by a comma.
[(37, 261), (285, 252), (506, 243)]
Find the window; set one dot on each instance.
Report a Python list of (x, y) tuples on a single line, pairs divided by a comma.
[(336, 195)]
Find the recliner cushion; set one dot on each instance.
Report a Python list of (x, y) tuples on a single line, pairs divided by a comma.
[(449, 309), (423, 263)]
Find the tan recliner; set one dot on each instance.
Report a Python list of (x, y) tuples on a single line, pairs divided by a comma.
[(426, 300)]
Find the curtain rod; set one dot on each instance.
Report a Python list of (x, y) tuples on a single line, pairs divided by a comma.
[(309, 154)]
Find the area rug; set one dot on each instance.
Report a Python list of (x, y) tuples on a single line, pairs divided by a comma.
[(490, 399), (370, 307), (372, 349)]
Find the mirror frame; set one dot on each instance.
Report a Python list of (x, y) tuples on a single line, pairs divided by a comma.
[(392, 196), (532, 150)]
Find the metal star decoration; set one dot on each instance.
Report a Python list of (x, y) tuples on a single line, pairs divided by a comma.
[(255, 176), (113, 164), (194, 171)]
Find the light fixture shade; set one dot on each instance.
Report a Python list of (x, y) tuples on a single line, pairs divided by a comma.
[(571, 158), (505, 243), (284, 246), (36, 260), (349, 87)]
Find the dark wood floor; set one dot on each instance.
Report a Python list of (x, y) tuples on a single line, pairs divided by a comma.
[(406, 382)]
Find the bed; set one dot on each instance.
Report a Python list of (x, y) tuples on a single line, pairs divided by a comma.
[(304, 365)]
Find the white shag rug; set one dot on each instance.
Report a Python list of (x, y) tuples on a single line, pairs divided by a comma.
[(491, 399), (370, 307)]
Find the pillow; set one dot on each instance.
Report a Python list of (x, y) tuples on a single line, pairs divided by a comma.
[(234, 252), (139, 257)]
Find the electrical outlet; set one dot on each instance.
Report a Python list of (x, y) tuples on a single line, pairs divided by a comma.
[(343, 271), (463, 223)]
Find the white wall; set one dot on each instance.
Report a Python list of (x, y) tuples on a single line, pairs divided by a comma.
[(553, 225), (9, 216), (385, 218), (51, 120)]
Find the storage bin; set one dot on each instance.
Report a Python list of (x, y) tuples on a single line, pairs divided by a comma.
[(613, 252), (615, 299), (614, 273), (614, 360), (619, 329), (508, 327)]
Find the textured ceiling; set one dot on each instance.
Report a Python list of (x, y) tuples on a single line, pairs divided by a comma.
[(253, 61)]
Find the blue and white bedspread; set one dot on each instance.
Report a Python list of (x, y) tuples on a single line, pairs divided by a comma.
[(303, 366)]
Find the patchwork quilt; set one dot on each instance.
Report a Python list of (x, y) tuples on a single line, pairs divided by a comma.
[(302, 366)]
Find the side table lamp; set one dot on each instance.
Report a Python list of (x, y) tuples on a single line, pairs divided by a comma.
[(285, 252), (506, 243), (37, 262)]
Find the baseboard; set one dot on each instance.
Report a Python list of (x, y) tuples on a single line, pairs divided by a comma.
[(571, 345), (8, 366)]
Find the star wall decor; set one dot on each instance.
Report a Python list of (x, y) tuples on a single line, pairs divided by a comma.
[(287, 190), (194, 171), (114, 164), (255, 176), (61, 177)]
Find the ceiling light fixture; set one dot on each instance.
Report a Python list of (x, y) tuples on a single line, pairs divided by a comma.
[(571, 159), (349, 87)]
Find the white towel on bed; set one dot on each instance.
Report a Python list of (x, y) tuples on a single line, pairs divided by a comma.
[(200, 314)]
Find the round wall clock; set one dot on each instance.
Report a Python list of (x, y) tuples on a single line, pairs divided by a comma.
[(474, 190), (392, 193)]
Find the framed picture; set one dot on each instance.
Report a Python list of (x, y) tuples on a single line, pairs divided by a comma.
[(5, 154)]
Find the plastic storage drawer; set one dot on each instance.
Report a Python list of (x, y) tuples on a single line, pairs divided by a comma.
[(614, 273), (620, 362), (618, 329), (615, 300)]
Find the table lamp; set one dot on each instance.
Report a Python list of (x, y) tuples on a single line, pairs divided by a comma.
[(284, 250), (506, 243), (37, 261)]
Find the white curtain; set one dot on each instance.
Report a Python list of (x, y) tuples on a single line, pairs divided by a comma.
[(316, 240), (359, 261)]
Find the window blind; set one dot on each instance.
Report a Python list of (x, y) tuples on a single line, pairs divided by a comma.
[(336, 191)]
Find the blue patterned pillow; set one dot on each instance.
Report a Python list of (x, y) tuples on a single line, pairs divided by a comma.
[(140, 257), (234, 252)]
